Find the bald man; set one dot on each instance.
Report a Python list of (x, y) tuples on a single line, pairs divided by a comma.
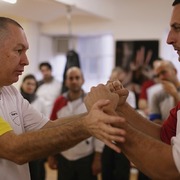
[(82, 161), (167, 97)]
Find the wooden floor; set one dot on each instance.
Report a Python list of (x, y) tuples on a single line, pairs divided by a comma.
[(52, 174)]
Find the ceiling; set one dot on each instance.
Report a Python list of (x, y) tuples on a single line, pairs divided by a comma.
[(43, 11), (91, 16), (47, 11)]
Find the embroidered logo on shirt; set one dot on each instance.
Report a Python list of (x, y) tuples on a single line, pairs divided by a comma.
[(14, 117)]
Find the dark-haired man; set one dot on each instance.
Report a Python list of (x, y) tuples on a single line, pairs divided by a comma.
[(49, 88), (146, 143)]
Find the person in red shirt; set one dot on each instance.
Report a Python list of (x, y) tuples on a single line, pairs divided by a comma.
[(153, 148)]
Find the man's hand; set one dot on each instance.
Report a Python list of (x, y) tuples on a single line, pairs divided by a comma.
[(102, 92), (52, 162), (169, 87), (117, 87), (102, 125)]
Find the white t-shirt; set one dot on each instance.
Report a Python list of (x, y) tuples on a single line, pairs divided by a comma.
[(86, 147), (49, 92), (22, 117), (131, 99), (40, 105), (152, 90)]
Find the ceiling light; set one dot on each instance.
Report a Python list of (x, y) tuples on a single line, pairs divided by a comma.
[(10, 1)]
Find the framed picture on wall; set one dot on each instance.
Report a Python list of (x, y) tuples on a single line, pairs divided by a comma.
[(136, 52)]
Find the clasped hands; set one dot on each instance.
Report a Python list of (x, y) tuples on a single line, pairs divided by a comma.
[(117, 95)]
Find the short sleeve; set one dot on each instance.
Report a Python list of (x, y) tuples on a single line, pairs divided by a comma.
[(4, 126), (168, 129), (176, 150)]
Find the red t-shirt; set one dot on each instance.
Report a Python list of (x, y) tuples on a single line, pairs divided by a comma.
[(144, 87), (168, 129), (60, 102)]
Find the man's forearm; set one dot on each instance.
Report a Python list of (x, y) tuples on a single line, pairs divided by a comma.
[(63, 121), (151, 156), (176, 98), (38, 144), (139, 122)]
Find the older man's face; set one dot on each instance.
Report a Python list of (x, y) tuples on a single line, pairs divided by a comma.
[(12, 55)]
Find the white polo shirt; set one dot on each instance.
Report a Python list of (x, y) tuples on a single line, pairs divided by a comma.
[(22, 117)]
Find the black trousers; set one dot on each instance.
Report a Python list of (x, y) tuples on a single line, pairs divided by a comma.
[(142, 176), (37, 169), (115, 166), (75, 170)]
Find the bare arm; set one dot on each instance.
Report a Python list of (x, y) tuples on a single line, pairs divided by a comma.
[(151, 156), (138, 121), (31, 145), (63, 121), (142, 146), (171, 89), (135, 119), (143, 105)]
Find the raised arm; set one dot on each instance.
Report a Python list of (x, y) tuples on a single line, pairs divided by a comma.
[(142, 145), (53, 139), (135, 119), (139, 122)]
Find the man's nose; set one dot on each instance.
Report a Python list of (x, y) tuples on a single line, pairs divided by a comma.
[(24, 60), (170, 38)]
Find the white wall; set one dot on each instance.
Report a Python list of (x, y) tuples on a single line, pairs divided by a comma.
[(137, 21)]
